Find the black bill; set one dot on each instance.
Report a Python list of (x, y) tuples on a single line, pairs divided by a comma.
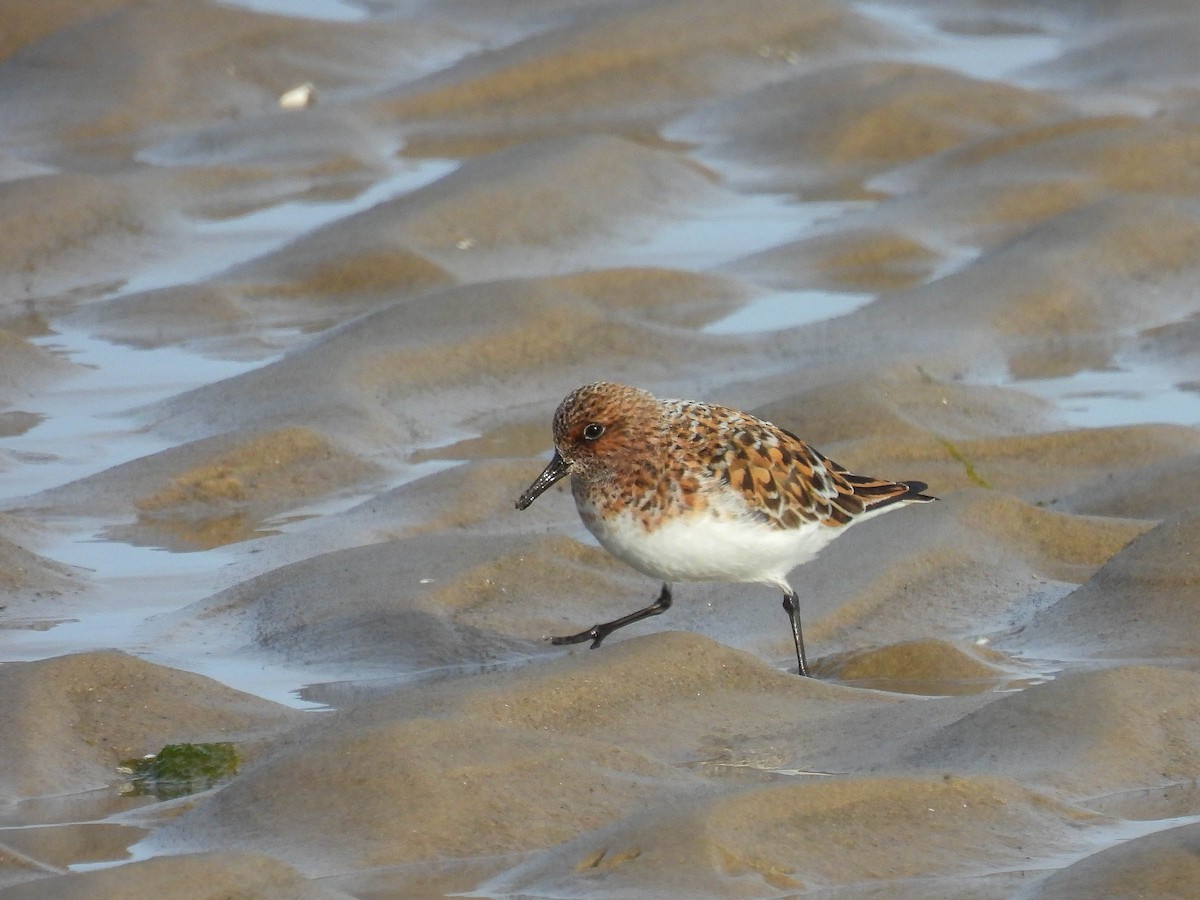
[(558, 468)]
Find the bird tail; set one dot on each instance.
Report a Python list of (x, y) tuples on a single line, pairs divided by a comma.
[(878, 494)]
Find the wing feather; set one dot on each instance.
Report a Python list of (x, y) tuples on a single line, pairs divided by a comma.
[(787, 483)]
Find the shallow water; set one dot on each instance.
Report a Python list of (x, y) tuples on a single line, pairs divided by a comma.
[(86, 423), (1172, 802), (219, 243), (788, 309), (324, 10), (711, 237), (1133, 393), (1016, 42)]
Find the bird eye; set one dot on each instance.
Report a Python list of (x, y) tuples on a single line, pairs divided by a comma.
[(592, 431)]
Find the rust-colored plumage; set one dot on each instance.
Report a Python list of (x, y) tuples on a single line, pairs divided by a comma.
[(689, 491)]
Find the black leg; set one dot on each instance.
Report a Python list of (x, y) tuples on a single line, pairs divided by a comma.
[(791, 605), (597, 633)]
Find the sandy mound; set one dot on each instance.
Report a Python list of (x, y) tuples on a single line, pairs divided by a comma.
[(187, 61), (211, 492), (641, 60), (661, 693), (547, 201), (1158, 52), (1140, 605), (193, 876), (406, 603), (407, 371), (1083, 732), (27, 578), (1166, 864), (838, 126), (98, 709), (404, 791), (868, 260), (1151, 491), (50, 220), (803, 837)]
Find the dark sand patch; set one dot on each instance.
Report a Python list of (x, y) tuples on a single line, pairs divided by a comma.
[(262, 468), (1120, 154), (1060, 546), (1092, 274), (15, 423), (723, 714), (240, 159)]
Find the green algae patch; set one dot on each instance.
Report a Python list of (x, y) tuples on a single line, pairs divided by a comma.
[(181, 769), (974, 477)]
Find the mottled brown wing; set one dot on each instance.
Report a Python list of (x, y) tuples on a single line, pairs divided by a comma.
[(788, 483)]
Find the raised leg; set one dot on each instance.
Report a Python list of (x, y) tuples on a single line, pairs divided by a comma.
[(791, 605), (597, 633)]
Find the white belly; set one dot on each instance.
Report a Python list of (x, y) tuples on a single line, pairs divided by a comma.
[(708, 548)]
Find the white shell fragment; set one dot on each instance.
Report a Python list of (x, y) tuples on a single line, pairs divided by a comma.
[(300, 97)]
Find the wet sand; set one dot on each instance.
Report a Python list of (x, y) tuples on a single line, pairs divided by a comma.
[(271, 380)]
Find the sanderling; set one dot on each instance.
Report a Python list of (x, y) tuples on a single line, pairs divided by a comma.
[(685, 491)]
